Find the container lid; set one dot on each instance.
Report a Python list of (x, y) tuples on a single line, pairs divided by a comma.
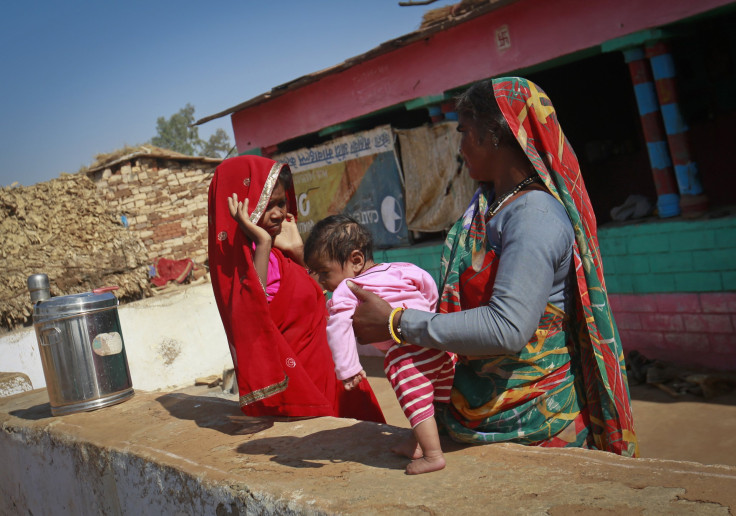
[(75, 304)]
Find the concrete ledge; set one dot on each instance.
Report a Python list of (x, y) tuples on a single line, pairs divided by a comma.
[(14, 383), (174, 453)]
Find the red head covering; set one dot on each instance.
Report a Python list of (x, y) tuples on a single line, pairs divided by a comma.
[(251, 177), (282, 361)]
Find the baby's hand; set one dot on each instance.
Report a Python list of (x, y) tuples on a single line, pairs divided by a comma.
[(239, 212), (352, 382)]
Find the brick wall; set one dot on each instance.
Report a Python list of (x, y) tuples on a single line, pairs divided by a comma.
[(164, 201), (672, 286), (685, 328)]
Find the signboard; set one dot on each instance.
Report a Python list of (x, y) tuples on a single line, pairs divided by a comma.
[(357, 175)]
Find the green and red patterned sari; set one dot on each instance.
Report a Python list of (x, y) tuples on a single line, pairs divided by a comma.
[(568, 386)]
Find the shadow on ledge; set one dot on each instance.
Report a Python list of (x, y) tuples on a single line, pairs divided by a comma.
[(34, 413), (212, 412), (364, 443)]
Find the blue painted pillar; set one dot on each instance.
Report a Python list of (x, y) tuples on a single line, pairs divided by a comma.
[(668, 199), (692, 199)]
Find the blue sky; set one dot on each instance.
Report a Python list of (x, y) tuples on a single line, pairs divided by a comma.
[(80, 78)]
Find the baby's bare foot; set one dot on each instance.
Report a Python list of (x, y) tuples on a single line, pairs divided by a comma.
[(425, 465), (409, 448)]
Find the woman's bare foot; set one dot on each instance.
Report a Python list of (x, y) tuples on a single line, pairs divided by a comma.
[(409, 448), (426, 465)]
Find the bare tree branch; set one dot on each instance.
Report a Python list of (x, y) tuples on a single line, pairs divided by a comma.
[(416, 2)]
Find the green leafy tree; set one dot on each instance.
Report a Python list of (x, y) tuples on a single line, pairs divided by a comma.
[(178, 134), (218, 146)]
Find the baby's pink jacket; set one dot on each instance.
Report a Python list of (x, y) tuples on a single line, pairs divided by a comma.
[(400, 284)]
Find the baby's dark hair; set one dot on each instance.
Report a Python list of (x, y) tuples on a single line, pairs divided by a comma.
[(335, 237)]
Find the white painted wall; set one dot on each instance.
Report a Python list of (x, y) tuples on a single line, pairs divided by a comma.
[(170, 340), (19, 354)]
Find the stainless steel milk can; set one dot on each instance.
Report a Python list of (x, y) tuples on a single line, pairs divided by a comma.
[(82, 348)]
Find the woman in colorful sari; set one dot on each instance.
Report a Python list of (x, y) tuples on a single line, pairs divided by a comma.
[(274, 314), (523, 300)]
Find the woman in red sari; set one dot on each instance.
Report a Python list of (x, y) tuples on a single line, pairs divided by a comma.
[(274, 314)]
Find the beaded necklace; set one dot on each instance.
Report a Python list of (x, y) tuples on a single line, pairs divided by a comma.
[(502, 200)]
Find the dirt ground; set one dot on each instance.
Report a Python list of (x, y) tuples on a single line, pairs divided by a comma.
[(688, 428)]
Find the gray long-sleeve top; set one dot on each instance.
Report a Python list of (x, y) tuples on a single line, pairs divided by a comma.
[(533, 237)]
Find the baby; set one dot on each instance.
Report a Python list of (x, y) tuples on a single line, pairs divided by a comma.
[(339, 249)]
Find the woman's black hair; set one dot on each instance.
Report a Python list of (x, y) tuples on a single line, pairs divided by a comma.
[(479, 103), (334, 238), (285, 177)]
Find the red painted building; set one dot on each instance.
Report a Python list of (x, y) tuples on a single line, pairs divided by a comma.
[(592, 59)]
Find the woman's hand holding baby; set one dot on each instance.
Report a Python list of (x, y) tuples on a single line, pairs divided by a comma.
[(371, 316)]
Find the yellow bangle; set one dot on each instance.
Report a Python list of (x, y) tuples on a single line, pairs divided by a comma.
[(391, 324)]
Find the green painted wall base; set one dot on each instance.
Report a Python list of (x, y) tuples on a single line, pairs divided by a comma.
[(670, 256)]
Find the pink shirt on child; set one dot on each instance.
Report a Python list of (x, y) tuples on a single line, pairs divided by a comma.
[(399, 284)]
